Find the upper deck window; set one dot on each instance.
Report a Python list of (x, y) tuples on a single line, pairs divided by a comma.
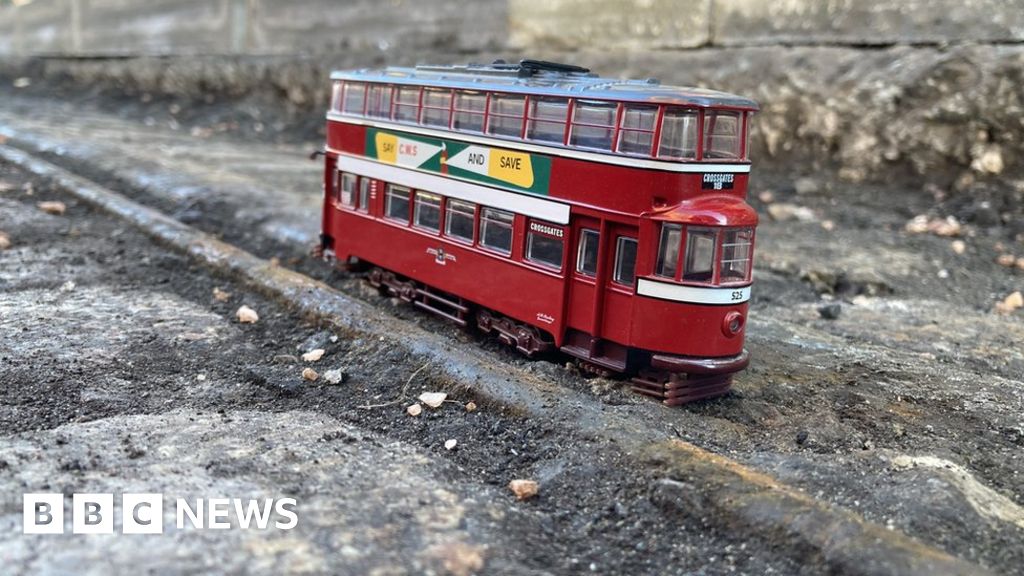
[(636, 129), (378, 101), (407, 103), (722, 135), (547, 119), (506, 115), (469, 111), (678, 134), (336, 96), (437, 103), (354, 98), (593, 124)]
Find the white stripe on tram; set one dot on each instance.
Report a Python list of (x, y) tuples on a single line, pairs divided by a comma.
[(692, 294), (620, 160), (519, 203)]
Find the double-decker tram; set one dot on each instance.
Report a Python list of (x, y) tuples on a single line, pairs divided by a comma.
[(560, 210)]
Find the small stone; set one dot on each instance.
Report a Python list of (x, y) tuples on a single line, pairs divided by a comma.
[(313, 355), (990, 161), (433, 399), (451, 444), (285, 359), (830, 311), (414, 410), (1011, 303), (220, 295), (68, 286), (958, 246), (1020, 263), (828, 225), (5, 241), (805, 186), (783, 212), (917, 225), (310, 374), (22, 82), (801, 437), (1006, 260), (275, 261), (524, 489), (247, 315), (767, 196), (459, 558), (470, 406), (54, 207), (335, 376), (4, 185), (943, 273), (201, 377)]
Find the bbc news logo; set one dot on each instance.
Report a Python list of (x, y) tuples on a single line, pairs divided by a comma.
[(144, 513)]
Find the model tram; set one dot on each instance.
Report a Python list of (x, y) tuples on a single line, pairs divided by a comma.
[(558, 209)]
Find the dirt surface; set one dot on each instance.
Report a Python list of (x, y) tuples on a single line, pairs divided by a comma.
[(906, 408)]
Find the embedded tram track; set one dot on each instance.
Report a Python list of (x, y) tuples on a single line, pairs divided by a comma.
[(724, 494)]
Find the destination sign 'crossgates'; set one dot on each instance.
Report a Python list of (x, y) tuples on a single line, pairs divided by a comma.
[(518, 171)]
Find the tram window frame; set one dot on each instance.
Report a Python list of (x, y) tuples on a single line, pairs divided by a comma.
[(423, 204), (466, 114), (669, 250), (364, 194), (393, 191), (540, 236), (353, 98), (336, 92), (713, 137), (436, 107), (496, 217), (705, 272), (586, 130), (460, 210), (348, 183), (618, 275), (406, 103), (583, 261), (688, 133), (378, 100), (635, 137), (543, 123), (736, 252), (501, 121)]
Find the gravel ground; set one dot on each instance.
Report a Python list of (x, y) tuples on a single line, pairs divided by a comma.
[(906, 408)]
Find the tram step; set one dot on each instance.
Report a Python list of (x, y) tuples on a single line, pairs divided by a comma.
[(453, 310), (674, 391)]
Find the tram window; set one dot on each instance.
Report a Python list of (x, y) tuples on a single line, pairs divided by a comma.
[(348, 189), (547, 119), (436, 107), (407, 104), (625, 260), (354, 98), (336, 92), (593, 124), (364, 194), (469, 111), (459, 220), (678, 134), (396, 203), (427, 211), (586, 255), (496, 230), (636, 132), (700, 255), (721, 135), (506, 115), (378, 101), (668, 250), (544, 244), (736, 255)]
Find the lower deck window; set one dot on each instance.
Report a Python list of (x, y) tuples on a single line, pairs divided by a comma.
[(348, 189), (427, 211), (396, 203), (586, 257), (668, 250), (700, 255), (459, 220), (544, 245), (496, 230), (736, 245), (625, 260), (364, 194)]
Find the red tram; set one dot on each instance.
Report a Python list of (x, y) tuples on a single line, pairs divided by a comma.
[(561, 210)]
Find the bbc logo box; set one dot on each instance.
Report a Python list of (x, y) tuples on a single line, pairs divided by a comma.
[(93, 513)]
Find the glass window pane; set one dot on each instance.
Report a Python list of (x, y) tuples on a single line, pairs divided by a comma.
[(437, 98), (556, 109), (496, 230), (635, 142), (678, 134), (586, 256), (721, 134), (505, 126), (407, 95), (397, 203), (355, 96), (546, 131), (625, 261), (470, 101), (364, 194), (378, 101), (507, 105), (596, 137), (348, 188), (460, 219), (700, 255), (427, 211), (668, 250), (470, 122), (544, 249), (435, 117), (639, 117), (594, 112), (736, 255), (336, 96)]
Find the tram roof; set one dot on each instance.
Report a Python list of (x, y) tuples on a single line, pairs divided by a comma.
[(547, 78)]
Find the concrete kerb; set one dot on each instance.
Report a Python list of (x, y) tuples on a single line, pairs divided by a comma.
[(696, 482)]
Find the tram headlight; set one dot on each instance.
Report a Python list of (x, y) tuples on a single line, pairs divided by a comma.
[(732, 324)]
